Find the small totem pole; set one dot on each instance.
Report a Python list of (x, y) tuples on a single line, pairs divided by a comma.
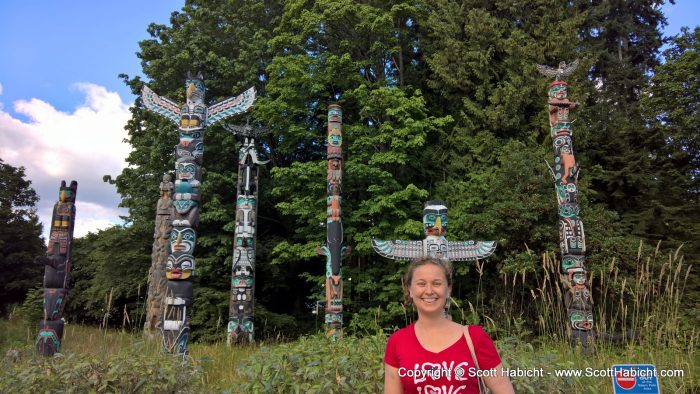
[(192, 118), (159, 255), (572, 240), (434, 244), (334, 249), (242, 302), (57, 264)]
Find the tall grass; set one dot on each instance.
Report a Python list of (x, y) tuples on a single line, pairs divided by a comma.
[(644, 307)]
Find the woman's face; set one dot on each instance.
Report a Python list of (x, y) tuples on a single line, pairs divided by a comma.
[(428, 289)]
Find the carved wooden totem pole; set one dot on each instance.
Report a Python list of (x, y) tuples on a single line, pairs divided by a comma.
[(159, 256), (571, 236), (193, 119), (242, 302), (434, 244), (57, 271), (334, 250)]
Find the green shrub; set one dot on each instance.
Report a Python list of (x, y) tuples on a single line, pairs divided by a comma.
[(130, 370), (32, 309), (316, 364)]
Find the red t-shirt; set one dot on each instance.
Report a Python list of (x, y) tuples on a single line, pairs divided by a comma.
[(422, 371)]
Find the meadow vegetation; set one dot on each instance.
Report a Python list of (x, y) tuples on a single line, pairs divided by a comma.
[(95, 359)]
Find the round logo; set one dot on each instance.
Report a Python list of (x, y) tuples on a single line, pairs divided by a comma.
[(625, 381)]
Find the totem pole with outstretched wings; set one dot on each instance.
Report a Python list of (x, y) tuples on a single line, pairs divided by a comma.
[(192, 118), (434, 244)]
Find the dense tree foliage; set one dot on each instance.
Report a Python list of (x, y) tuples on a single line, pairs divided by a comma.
[(441, 99), (20, 236), (672, 109)]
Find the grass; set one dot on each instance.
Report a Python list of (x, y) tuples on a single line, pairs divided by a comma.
[(218, 368)]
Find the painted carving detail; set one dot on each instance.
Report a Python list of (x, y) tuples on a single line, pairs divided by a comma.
[(57, 266), (242, 302), (334, 250), (434, 244), (572, 239), (192, 119)]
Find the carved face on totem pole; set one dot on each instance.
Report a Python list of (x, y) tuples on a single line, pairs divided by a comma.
[(580, 319), (335, 138), (186, 169), (182, 240), (335, 114), (572, 261), (194, 151), (187, 211), (67, 194), (577, 277), (190, 137), (239, 326), (435, 218), (435, 227), (558, 90), (179, 267), (242, 278), (335, 133), (48, 341), (194, 110), (335, 176)]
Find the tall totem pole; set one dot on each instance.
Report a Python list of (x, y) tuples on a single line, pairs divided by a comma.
[(242, 302), (57, 270), (434, 244), (334, 249), (193, 119), (159, 255), (572, 240)]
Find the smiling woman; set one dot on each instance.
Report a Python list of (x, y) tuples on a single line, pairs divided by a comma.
[(435, 353)]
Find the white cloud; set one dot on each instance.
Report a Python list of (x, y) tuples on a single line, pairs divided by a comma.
[(91, 217), (83, 145)]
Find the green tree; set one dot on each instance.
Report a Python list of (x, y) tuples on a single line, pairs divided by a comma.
[(20, 236), (621, 40), (111, 263), (671, 106)]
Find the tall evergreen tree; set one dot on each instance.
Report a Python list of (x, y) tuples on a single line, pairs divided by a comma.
[(671, 105), (620, 40), (20, 236)]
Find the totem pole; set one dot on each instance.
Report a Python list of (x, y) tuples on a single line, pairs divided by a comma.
[(434, 244), (159, 255), (334, 249), (571, 237), (242, 302), (192, 118), (57, 264)]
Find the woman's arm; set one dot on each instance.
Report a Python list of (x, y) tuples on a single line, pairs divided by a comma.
[(392, 382), (498, 384)]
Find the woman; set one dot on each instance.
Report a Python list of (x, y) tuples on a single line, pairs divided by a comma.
[(432, 355)]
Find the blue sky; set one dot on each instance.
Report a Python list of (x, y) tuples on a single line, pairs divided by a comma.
[(61, 102), (49, 45), (63, 108)]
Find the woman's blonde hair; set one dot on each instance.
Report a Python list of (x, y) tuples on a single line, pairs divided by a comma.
[(446, 266)]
